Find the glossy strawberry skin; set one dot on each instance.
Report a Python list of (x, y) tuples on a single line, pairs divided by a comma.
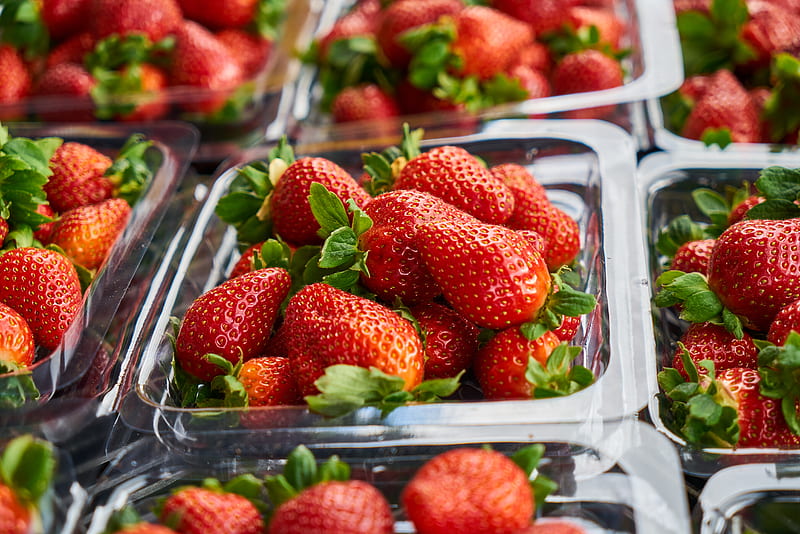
[(327, 326), (706, 341), (334, 507), (693, 256), (16, 338), (479, 491), (500, 364), (87, 234), (451, 341), (488, 273), (154, 18), (363, 102), (15, 518), (454, 175), (233, 320), (291, 211), (77, 178), (269, 382), (587, 71), (755, 270), (786, 320), (43, 287), (403, 15), (739, 211), (201, 511)]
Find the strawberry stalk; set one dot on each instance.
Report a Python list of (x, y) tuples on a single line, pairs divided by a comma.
[(779, 368)]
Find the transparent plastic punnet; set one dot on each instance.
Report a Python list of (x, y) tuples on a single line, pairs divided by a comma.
[(652, 69), (587, 167), (666, 181), (83, 347), (622, 477)]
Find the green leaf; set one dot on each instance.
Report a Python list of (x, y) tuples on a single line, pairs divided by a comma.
[(717, 136), (680, 230), (27, 466), (779, 183), (340, 248), (712, 204), (669, 379), (132, 169), (18, 389), (269, 18), (327, 208), (528, 458), (774, 209), (333, 469), (301, 468)]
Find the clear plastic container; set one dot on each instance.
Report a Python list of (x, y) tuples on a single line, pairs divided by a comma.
[(761, 497), (72, 372), (666, 181), (654, 68), (587, 167), (620, 477)]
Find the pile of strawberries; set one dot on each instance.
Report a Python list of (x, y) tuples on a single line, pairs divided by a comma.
[(741, 66), (464, 490), (433, 268), (63, 205), (381, 60), (132, 60), (734, 282)]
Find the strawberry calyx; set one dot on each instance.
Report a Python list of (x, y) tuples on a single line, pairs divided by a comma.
[(21, 26), (301, 472), (528, 459), (268, 18), (702, 409), (17, 387), (132, 169), (384, 167), (568, 40), (779, 368), (27, 466), (558, 377), (780, 187), (779, 110), (563, 300), (346, 388)]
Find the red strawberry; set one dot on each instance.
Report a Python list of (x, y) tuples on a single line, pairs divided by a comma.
[(553, 525), (17, 83), (569, 328), (202, 61), (87, 234), (488, 41), (528, 193), (3, 230), (542, 15), (739, 211), (706, 341), (537, 56), (490, 274), (45, 229), (245, 262), (362, 20), (413, 100), (363, 102), (72, 50), (479, 491), (585, 71), (404, 15), (253, 51), (145, 528), (770, 30), (66, 80), (786, 321), (536, 240), (535, 82), (15, 517), (78, 177), (560, 232), (291, 211), (327, 326), (16, 338), (693, 256), (451, 341), (43, 287), (268, 381), (64, 18), (147, 103), (352, 506), (609, 26), (154, 18), (196, 510), (456, 176), (218, 15), (754, 269), (233, 320)]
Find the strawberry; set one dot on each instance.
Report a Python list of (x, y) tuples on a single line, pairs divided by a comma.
[(363, 102), (200, 510), (78, 177), (87, 234), (144, 528), (786, 321), (202, 61), (3, 230), (414, 100), (232, 320), (480, 491), (16, 338), (245, 262), (693, 256), (26, 472), (66, 80), (291, 212), (450, 341), (609, 26), (569, 328), (15, 518), (327, 326), (43, 287), (324, 500), (770, 30), (488, 41), (64, 18), (528, 193), (44, 230), (537, 56), (456, 176), (252, 50), (17, 82), (134, 93), (362, 20), (535, 239), (489, 274), (535, 82), (72, 50), (216, 15), (268, 381), (154, 18), (707, 341), (542, 15), (404, 15), (739, 211), (553, 525), (587, 70)]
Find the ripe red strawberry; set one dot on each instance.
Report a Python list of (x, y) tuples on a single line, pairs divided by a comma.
[(479, 491), (66, 80), (786, 321), (327, 326), (693, 256), (245, 262), (15, 518), (535, 82), (561, 233), (569, 328), (542, 15), (351, 506), (17, 83), (553, 525), (536, 240), (154, 18), (216, 15), (64, 18), (3, 230), (72, 50), (488, 41), (196, 510), (87, 234), (78, 177), (253, 51), (147, 103), (456, 176), (414, 100), (45, 229), (403, 15), (202, 61), (16, 338), (291, 212), (739, 211), (43, 287), (609, 26), (754, 269), (528, 193), (268, 381), (537, 56), (706, 341), (145, 528), (584, 71), (450, 341), (770, 30), (362, 20), (363, 102), (490, 274), (232, 320)]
